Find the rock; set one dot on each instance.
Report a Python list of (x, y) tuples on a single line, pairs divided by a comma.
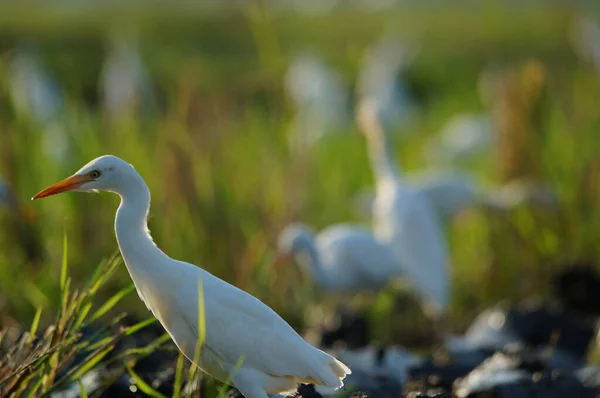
[(533, 324), (520, 372), (430, 394), (578, 288)]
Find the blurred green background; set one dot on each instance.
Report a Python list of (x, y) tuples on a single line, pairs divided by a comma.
[(214, 147)]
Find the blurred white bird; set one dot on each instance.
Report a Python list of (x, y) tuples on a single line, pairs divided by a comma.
[(381, 78), (37, 96), (243, 338), (340, 258), (451, 192), (124, 82), (404, 218), (320, 98), (585, 36), (463, 138)]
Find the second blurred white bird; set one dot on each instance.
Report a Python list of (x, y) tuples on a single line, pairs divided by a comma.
[(124, 83), (320, 98), (341, 257), (463, 138), (382, 79), (37, 96)]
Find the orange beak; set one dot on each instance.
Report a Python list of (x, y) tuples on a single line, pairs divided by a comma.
[(66, 185), (282, 258)]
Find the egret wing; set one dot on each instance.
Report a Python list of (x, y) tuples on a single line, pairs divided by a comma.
[(241, 327), (448, 193), (418, 243)]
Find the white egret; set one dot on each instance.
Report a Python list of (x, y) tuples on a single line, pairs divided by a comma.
[(585, 36), (404, 218), (37, 96), (244, 338), (340, 258), (124, 82), (320, 98), (381, 78), (463, 138)]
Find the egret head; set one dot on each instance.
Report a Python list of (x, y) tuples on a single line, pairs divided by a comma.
[(106, 173), (293, 239)]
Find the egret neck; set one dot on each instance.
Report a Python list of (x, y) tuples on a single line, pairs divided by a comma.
[(381, 158), (131, 227)]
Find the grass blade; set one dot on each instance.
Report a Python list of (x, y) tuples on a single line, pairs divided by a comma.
[(111, 302), (140, 352), (82, 392), (143, 386), (201, 320), (103, 272), (102, 342), (35, 323), (81, 314), (35, 388), (201, 332), (63, 266), (178, 376), (23, 385), (227, 382), (140, 325), (91, 361), (98, 271)]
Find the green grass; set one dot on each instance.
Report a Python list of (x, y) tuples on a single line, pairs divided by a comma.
[(40, 363), (223, 179)]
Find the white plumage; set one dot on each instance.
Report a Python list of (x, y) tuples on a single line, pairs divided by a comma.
[(463, 138), (585, 36), (381, 78), (38, 97), (124, 82), (404, 218), (239, 327), (320, 99), (341, 257)]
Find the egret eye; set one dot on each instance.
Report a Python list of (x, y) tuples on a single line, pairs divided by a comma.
[(95, 174)]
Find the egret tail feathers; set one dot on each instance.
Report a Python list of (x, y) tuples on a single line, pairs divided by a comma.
[(340, 369)]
